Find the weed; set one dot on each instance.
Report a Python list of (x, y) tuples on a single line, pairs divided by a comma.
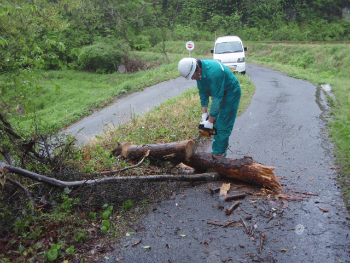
[(127, 204)]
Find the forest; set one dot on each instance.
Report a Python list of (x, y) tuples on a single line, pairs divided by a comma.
[(61, 34)]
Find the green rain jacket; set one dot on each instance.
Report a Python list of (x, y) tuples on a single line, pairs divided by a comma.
[(216, 80)]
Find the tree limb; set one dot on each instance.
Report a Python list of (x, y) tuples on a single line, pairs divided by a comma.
[(150, 178), (18, 184), (126, 168)]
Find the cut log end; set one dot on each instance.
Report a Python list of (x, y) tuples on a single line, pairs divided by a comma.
[(189, 149), (125, 148)]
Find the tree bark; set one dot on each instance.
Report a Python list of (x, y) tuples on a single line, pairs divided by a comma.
[(244, 169), (175, 152)]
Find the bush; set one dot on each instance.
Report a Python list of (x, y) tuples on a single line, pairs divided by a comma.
[(104, 56), (140, 42), (187, 33)]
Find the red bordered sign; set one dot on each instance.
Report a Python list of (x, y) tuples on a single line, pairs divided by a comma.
[(190, 45)]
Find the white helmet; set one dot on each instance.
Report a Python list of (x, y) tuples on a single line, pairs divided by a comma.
[(186, 67)]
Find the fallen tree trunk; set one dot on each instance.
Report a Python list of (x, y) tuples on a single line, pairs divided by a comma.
[(151, 178), (174, 152), (244, 169)]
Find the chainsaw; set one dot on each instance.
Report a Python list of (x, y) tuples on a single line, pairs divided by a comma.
[(205, 132)]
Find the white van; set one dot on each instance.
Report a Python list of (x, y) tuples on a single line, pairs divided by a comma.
[(229, 51)]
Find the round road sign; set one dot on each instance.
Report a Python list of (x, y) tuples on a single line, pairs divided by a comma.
[(190, 45)]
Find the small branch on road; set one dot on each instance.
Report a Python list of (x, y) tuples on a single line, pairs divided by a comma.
[(262, 239), (232, 208)]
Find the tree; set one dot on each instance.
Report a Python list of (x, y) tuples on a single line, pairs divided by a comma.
[(21, 25), (123, 16)]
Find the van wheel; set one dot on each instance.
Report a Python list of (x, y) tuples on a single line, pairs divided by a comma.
[(243, 72)]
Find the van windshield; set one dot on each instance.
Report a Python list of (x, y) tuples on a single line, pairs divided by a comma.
[(228, 47)]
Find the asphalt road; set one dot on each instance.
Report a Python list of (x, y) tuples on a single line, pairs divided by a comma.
[(284, 127)]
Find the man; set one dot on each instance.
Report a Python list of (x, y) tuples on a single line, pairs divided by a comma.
[(216, 80)]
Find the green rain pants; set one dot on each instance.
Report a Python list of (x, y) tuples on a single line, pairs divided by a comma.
[(225, 120)]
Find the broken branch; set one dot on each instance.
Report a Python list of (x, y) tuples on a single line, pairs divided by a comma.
[(19, 185), (261, 241), (151, 178), (127, 168), (234, 197), (232, 208)]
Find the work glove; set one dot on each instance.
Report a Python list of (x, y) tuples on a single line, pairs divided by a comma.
[(207, 125), (205, 117)]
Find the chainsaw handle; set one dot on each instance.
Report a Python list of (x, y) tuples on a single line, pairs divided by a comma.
[(208, 131)]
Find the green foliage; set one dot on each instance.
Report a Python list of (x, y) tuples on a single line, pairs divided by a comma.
[(187, 32), (80, 236), (140, 42), (127, 204), (106, 224), (52, 254), (70, 250), (107, 212), (103, 57), (67, 203), (53, 54)]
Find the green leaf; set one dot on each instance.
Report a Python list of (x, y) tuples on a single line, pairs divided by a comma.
[(55, 246), (105, 214), (106, 223), (2, 41), (104, 229), (127, 204), (70, 250), (130, 233), (52, 254), (146, 247)]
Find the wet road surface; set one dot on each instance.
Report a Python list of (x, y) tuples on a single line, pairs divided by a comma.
[(283, 127)]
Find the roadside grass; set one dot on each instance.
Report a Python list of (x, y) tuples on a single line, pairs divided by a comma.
[(68, 95), (174, 120), (319, 64)]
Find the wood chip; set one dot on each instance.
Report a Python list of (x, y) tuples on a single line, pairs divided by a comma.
[(324, 209), (224, 189), (136, 243)]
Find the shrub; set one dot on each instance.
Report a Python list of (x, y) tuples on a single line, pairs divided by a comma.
[(140, 42), (186, 33), (104, 56)]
